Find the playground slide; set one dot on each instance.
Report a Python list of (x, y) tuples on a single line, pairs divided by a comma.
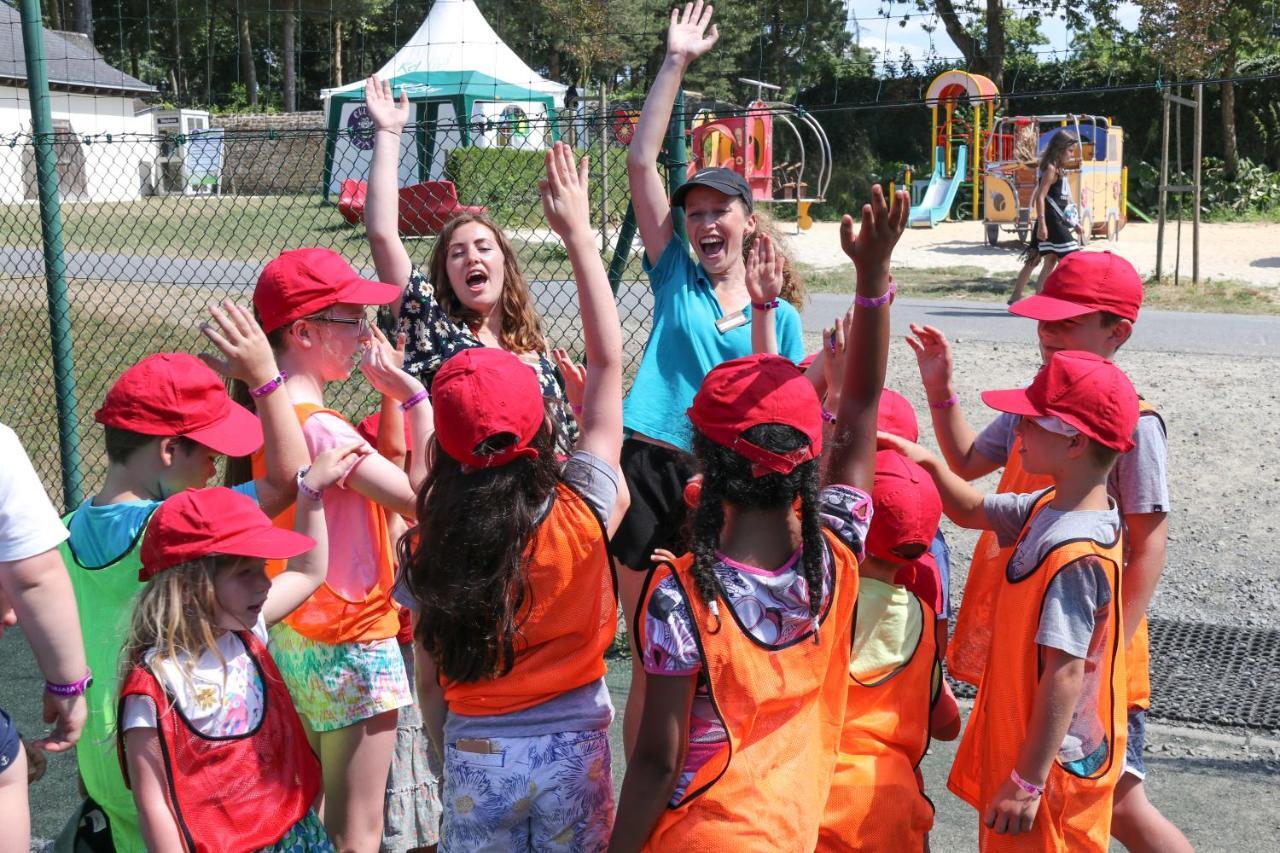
[(941, 193)]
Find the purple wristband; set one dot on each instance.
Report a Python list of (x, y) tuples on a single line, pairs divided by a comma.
[(75, 688), (414, 400), (765, 306), (267, 387), (876, 301), (575, 408), (828, 417), (303, 488), (945, 404)]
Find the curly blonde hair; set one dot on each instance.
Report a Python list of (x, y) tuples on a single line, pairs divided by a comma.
[(521, 327), (793, 289)]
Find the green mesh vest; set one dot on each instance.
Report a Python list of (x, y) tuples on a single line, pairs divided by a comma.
[(104, 598)]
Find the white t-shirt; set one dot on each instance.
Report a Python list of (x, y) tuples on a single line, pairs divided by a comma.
[(29, 525), (217, 701)]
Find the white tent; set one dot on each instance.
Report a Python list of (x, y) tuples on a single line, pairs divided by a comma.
[(467, 87)]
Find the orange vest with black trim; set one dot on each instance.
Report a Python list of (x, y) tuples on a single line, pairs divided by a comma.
[(1075, 812), (876, 801), (971, 640), (327, 616), (782, 708), (569, 618)]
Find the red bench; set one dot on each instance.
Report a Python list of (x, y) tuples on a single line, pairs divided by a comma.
[(424, 207)]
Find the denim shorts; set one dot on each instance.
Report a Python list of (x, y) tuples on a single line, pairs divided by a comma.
[(10, 743), (1133, 761)]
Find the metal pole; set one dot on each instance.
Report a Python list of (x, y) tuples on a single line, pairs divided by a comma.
[(677, 162), (1163, 196), (1195, 182), (602, 135), (622, 251), (64, 377)]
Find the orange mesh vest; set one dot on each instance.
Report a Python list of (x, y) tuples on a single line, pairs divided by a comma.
[(876, 802), (1075, 813), (782, 708), (568, 621), (327, 616), (967, 651)]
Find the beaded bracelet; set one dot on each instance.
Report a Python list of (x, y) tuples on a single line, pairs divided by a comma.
[(945, 404), (765, 306), (414, 400), (267, 387), (305, 489), (876, 301), (75, 688), (1033, 790)]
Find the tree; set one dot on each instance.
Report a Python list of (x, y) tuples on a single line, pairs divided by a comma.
[(248, 69), (288, 37)]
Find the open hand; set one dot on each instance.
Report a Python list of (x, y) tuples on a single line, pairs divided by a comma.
[(835, 338), (933, 357), (383, 365), (882, 224), (383, 109), (575, 377), (564, 192), (67, 713), (691, 33), (334, 464), (1012, 810), (247, 354), (764, 271), (915, 452)]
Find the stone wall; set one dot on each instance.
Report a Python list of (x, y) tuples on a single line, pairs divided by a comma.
[(279, 154)]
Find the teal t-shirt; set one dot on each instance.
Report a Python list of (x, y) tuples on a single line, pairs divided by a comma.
[(684, 344)]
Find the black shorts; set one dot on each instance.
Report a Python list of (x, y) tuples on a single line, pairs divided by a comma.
[(658, 517)]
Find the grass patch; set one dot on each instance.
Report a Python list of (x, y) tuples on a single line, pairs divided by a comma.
[(968, 282)]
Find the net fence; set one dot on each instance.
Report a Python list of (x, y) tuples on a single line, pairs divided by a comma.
[(158, 228)]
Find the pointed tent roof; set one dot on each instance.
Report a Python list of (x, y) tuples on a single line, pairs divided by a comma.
[(456, 51)]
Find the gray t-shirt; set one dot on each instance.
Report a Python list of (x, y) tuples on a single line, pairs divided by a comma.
[(1138, 481), (585, 708)]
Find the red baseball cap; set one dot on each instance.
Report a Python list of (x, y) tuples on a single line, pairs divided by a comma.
[(1082, 283), (482, 392), (922, 577), (897, 416), (303, 281), (368, 430), (201, 522), (906, 507), (1083, 390), (173, 393), (758, 389)]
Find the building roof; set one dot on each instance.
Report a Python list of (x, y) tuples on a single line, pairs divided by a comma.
[(72, 63)]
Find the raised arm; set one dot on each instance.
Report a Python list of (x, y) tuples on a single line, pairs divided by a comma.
[(565, 203), (691, 34), (764, 283), (852, 459), (956, 438), (382, 202), (961, 502)]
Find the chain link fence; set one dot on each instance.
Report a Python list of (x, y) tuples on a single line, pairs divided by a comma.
[(157, 228)]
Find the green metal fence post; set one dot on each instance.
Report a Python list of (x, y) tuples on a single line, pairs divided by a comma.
[(677, 161), (622, 250), (64, 378)]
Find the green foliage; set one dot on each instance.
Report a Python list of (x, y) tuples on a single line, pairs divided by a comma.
[(505, 180), (1253, 194)]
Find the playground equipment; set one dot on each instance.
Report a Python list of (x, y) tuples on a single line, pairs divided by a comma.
[(424, 207), (1095, 174), (743, 140), (968, 102)]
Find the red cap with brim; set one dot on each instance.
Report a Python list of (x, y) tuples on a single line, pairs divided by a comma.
[(906, 507), (1085, 283), (483, 392), (301, 282), (200, 523), (753, 390), (1081, 389), (176, 394), (897, 416)]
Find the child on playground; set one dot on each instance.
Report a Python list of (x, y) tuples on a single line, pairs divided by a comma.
[(518, 616), (35, 592), (208, 737), (897, 696), (1057, 218), (746, 639), (474, 294), (1044, 746), (165, 421), (1090, 303), (702, 316), (337, 652)]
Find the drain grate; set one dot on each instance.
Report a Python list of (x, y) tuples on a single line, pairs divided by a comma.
[(1204, 673)]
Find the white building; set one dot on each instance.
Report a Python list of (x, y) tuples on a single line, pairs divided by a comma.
[(90, 99)]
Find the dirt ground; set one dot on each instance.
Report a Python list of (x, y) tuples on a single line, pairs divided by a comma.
[(1245, 252)]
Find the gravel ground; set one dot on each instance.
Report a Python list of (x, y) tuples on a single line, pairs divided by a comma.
[(1225, 508)]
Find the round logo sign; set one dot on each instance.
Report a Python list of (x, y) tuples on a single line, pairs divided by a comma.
[(360, 128)]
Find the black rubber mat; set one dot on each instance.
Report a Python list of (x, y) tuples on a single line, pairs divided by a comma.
[(1203, 673)]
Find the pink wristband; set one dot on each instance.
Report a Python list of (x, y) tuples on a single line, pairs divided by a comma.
[(414, 400), (267, 387), (876, 301), (1033, 790), (75, 688), (765, 306), (945, 404), (575, 408)]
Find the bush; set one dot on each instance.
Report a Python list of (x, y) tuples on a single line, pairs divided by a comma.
[(506, 181), (1254, 192)]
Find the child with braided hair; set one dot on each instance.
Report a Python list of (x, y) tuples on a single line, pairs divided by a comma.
[(746, 640)]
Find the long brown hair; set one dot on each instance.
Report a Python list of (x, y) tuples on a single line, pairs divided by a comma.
[(793, 289), (521, 328), (1056, 150)]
